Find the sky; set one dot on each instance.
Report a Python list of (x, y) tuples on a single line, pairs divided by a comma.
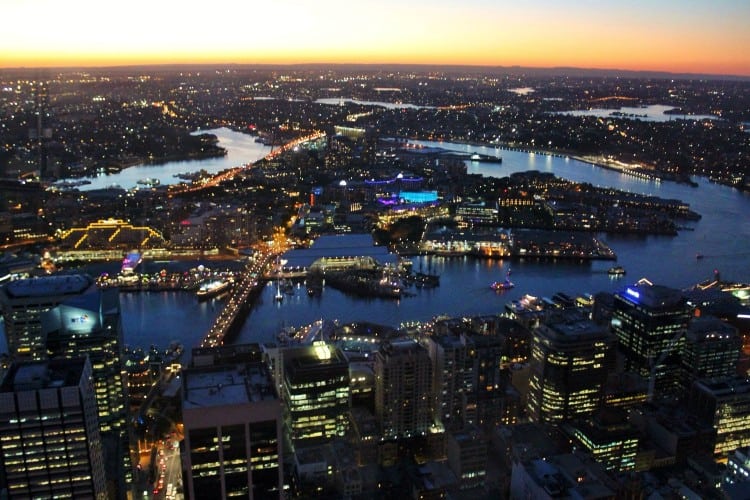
[(693, 36)]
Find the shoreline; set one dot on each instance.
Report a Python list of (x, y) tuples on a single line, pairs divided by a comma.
[(613, 165)]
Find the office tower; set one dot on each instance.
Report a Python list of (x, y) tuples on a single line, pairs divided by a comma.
[(403, 378), (650, 322), (568, 370), (608, 437), (467, 457), (315, 393), (711, 350), (90, 324), (23, 302), (738, 466), (232, 446), (723, 405), (49, 431)]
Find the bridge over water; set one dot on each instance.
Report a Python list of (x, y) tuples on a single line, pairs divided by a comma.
[(237, 306)]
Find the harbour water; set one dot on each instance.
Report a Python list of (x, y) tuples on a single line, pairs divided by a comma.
[(651, 113), (241, 149), (722, 237), (336, 101)]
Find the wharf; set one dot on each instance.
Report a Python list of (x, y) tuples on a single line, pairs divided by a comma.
[(365, 283), (530, 243)]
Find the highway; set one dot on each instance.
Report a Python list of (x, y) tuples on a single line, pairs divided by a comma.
[(232, 172)]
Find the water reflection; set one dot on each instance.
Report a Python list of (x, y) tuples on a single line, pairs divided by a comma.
[(241, 149)]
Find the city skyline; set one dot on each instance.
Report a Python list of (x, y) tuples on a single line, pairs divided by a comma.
[(671, 36)]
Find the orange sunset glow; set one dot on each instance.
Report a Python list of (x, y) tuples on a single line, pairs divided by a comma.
[(705, 37)]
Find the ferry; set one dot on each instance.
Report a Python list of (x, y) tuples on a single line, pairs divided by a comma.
[(212, 289), (616, 271)]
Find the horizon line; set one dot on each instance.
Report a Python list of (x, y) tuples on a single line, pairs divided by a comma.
[(452, 66)]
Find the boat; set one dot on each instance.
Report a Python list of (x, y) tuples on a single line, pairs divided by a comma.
[(616, 271), (212, 288), (506, 284), (131, 261), (426, 280), (699, 256), (563, 299), (149, 182)]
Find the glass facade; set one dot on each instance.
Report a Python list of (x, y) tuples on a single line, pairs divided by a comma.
[(650, 322), (264, 459), (23, 302), (232, 419), (50, 446), (724, 405), (204, 459), (568, 370), (316, 393)]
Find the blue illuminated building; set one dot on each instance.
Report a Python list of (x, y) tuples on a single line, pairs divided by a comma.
[(650, 322)]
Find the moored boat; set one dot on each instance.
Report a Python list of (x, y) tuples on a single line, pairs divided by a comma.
[(212, 289), (149, 182), (616, 271)]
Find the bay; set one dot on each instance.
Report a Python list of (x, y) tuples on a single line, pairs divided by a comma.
[(241, 150), (651, 113), (722, 236)]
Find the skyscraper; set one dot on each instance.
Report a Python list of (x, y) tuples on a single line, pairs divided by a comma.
[(315, 393), (23, 302), (50, 444), (452, 379), (711, 349), (232, 446), (650, 322), (723, 404), (469, 386), (568, 370), (403, 378), (90, 323)]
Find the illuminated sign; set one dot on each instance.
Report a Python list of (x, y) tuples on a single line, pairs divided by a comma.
[(80, 319), (633, 293)]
